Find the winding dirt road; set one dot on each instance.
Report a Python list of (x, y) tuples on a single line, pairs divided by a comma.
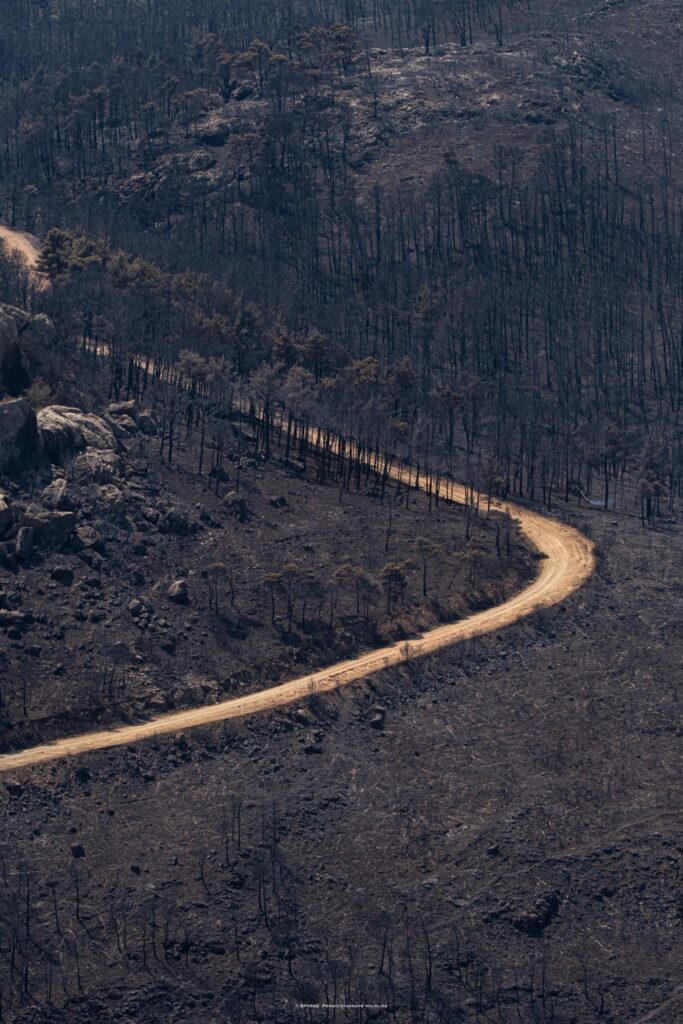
[(568, 561), (28, 246)]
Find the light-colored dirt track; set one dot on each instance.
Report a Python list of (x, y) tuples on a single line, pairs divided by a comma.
[(568, 562), (28, 246)]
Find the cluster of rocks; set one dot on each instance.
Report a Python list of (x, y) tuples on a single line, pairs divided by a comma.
[(25, 527), (89, 447), (58, 433), (237, 507), (128, 418), (52, 519), (141, 611), (13, 619), (55, 434)]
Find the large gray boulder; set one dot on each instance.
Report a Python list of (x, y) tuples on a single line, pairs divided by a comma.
[(65, 430), (52, 528), (24, 337), (19, 440), (15, 375), (147, 422)]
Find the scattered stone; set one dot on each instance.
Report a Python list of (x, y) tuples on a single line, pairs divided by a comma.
[(178, 592), (147, 422), (123, 426), (112, 499), (92, 558), (53, 528), (101, 466), (88, 537), (220, 474), (23, 545), (536, 919), (156, 702), (136, 607), (123, 408), (62, 574), (54, 495), (237, 506), (378, 715), (14, 789), (176, 521)]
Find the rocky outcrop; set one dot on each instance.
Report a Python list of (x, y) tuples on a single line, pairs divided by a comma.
[(19, 439), (101, 466), (23, 337), (65, 430), (57, 432), (51, 528), (15, 375)]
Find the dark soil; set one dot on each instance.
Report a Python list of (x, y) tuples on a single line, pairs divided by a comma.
[(107, 644), (519, 814)]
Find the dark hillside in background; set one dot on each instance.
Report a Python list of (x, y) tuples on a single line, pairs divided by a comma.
[(471, 247), (450, 230)]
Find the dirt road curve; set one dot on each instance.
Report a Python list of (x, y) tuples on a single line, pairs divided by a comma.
[(569, 561), (27, 245)]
